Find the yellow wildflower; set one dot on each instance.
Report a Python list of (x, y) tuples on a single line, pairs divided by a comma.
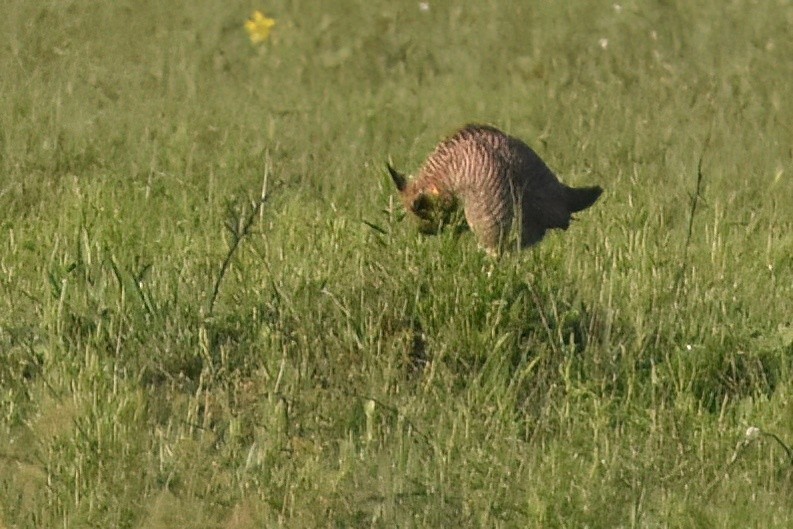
[(258, 27)]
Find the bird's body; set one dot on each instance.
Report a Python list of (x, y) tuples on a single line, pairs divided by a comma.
[(501, 184)]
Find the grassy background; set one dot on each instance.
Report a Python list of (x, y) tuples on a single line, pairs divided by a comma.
[(358, 376)]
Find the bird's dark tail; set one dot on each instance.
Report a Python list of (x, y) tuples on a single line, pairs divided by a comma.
[(579, 198)]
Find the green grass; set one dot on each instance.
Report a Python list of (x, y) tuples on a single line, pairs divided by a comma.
[(349, 372)]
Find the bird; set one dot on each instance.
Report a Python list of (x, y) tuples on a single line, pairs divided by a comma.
[(503, 187)]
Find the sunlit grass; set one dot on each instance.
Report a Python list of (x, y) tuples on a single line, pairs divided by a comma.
[(339, 369)]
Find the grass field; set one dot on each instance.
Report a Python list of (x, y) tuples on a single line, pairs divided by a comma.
[(176, 353)]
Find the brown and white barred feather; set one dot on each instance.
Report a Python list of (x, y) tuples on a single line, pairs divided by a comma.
[(501, 183)]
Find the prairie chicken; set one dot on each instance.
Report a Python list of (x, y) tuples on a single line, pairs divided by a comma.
[(499, 181)]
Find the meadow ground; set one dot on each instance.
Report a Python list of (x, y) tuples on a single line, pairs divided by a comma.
[(338, 370)]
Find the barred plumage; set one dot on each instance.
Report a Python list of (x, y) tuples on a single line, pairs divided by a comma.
[(500, 182)]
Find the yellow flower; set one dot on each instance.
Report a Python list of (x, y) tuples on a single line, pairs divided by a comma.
[(258, 27)]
